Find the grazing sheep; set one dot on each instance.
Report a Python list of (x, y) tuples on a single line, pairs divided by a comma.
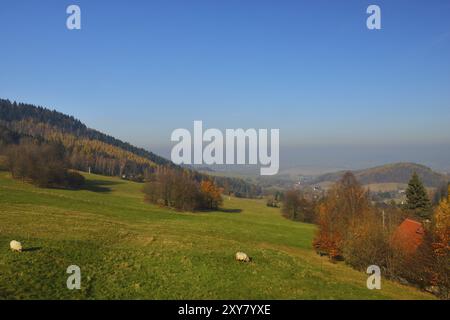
[(15, 246), (241, 256)]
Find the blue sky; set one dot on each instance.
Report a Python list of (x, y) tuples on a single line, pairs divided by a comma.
[(140, 69)]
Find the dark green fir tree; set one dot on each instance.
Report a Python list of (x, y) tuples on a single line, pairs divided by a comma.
[(417, 198)]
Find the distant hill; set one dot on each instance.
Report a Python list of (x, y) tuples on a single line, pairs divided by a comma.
[(390, 173), (92, 150)]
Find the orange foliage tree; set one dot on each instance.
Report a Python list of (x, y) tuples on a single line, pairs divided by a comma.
[(212, 195)]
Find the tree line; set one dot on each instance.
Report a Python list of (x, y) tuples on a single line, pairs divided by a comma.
[(180, 189), (42, 164)]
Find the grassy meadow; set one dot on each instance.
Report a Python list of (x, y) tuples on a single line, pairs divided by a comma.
[(128, 249)]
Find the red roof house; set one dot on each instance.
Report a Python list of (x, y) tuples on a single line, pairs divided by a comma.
[(408, 235)]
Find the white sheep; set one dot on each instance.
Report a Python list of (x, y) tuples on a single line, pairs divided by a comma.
[(15, 246), (241, 256)]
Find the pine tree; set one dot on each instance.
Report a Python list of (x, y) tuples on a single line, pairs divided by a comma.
[(417, 198)]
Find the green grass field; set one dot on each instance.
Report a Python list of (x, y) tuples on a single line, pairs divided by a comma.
[(128, 249)]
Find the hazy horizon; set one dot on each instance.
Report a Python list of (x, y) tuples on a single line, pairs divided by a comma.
[(341, 95), (323, 159)]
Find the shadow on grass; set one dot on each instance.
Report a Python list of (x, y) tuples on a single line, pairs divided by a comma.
[(32, 249), (99, 185), (229, 210), (89, 185)]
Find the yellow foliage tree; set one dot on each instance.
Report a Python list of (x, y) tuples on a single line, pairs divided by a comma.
[(441, 245)]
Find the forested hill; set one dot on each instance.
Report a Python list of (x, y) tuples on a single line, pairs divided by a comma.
[(90, 150), (395, 172), (13, 112)]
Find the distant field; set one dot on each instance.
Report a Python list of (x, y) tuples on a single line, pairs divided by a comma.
[(385, 187), (128, 249)]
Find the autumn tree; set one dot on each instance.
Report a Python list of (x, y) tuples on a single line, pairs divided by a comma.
[(441, 245), (161, 187), (366, 241), (344, 203), (296, 207), (329, 237), (291, 204), (212, 195)]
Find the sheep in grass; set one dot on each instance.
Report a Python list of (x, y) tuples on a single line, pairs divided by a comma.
[(241, 256), (15, 246)]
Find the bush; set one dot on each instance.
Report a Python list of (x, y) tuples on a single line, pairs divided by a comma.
[(272, 202)]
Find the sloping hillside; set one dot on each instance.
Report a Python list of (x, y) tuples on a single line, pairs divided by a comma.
[(16, 113), (127, 249), (89, 149), (390, 173)]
